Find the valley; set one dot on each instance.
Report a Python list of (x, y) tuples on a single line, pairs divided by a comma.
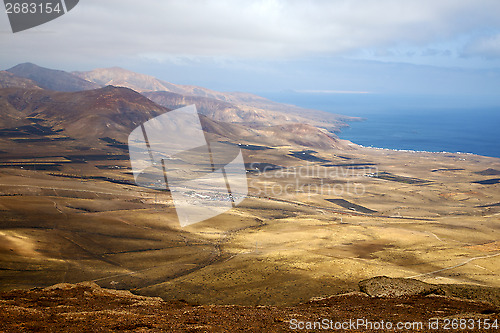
[(321, 214), (306, 229)]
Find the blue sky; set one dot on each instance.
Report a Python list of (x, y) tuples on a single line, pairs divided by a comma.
[(443, 47)]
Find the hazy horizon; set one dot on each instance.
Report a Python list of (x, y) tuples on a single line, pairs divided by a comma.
[(445, 48)]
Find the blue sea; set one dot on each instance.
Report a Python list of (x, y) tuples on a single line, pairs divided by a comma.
[(420, 123)]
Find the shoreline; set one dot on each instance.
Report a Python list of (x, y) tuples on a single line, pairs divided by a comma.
[(413, 150), (353, 144)]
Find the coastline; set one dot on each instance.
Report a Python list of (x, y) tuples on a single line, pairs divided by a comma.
[(408, 123), (416, 152), (419, 151), (397, 137)]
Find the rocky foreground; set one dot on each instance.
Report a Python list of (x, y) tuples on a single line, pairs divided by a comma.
[(381, 304)]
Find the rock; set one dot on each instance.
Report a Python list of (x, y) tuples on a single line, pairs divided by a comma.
[(349, 294), (471, 292), (69, 286), (94, 289), (87, 307)]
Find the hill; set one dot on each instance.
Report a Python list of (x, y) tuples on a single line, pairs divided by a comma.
[(230, 107), (9, 80), (51, 79), (88, 115), (115, 111), (249, 108), (73, 307)]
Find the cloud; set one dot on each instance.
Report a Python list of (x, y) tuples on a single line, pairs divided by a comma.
[(249, 29), (487, 47)]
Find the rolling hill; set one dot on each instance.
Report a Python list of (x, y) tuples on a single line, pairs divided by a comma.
[(109, 111), (234, 107), (52, 79), (235, 116), (8, 80), (249, 108)]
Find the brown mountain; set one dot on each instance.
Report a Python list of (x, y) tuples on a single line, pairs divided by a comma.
[(120, 77), (91, 114), (279, 135), (221, 106), (255, 117), (9, 80), (114, 111), (232, 106), (52, 79), (258, 119), (210, 107)]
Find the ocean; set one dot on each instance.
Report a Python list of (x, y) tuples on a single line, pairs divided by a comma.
[(419, 123)]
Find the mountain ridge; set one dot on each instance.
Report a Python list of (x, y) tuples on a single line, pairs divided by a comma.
[(8, 80), (115, 111), (51, 79), (259, 110), (90, 114), (236, 107), (264, 121)]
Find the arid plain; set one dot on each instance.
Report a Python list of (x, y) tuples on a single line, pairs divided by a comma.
[(321, 213), (314, 224)]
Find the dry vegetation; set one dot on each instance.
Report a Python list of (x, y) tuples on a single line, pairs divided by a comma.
[(80, 307), (84, 221)]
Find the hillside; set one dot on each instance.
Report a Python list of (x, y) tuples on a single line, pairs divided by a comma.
[(88, 115), (52, 79), (8, 80), (73, 307), (115, 111), (230, 107), (250, 108), (321, 215)]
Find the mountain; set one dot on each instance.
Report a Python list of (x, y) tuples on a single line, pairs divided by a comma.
[(9, 80), (258, 126), (269, 136), (234, 116), (210, 107), (38, 114), (303, 135), (120, 77), (52, 79), (115, 111), (232, 107), (105, 112)]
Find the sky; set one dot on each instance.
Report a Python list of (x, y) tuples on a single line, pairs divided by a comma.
[(422, 47)]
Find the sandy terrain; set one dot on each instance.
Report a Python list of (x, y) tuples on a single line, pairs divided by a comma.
[(398, 214)]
